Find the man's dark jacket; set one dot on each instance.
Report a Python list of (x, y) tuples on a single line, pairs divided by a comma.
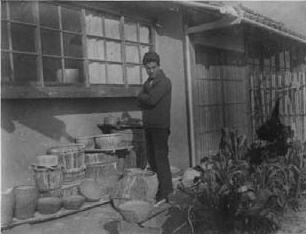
[(155, 101)]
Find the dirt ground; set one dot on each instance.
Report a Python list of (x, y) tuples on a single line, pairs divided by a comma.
[(105, 220), (89, 222), (294, 222)]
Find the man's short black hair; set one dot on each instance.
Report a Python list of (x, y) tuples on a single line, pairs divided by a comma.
[(149, 57)]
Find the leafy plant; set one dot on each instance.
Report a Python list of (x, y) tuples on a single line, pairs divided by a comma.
[(245, 196)]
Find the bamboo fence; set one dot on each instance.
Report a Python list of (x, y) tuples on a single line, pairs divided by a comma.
[(290, 87)]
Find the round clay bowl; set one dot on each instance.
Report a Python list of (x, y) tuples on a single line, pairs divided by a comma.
[(108, 141), (73, 202), (48, 205)]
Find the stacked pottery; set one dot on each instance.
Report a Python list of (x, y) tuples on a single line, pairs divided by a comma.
[(48, 175), (71, 158)]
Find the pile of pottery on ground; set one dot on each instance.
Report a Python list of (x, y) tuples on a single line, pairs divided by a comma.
[(70, 175)]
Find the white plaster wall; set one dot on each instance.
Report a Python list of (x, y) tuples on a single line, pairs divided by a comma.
[(169, 45)]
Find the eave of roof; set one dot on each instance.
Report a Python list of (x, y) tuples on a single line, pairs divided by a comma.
[(248, 16)]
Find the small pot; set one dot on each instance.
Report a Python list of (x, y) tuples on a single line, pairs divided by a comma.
[(73, 202), (49, 205), (26, 201)]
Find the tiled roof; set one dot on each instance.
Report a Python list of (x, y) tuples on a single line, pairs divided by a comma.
[(250, 16), (255, 16)]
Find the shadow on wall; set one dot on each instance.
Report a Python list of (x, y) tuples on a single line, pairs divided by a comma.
[(41, 114)]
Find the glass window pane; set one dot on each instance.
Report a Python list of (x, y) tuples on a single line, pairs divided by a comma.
[(95, 48), (112, 28), (71, 20), (132, 55), (113, 50), (48, 15), (97, 73), (133, 74), (50, 68), (115, 74), (4, 35), (94, 24), (25, 68), (130, 31), (144, 34), (5, 67), (23, 37), (73, 45), (50, 41), (3, 10), (22, 11), (73, 72), (143, 50)]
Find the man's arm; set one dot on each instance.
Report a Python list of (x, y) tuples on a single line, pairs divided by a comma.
[(153, 95)]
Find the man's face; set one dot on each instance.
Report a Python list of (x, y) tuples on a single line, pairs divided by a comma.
[(152, 69)]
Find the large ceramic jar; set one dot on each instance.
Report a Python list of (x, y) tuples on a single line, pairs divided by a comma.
[(138, 184), (26, 201)]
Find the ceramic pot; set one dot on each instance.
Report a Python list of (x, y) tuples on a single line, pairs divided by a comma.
[(26, 201), (7, 206)]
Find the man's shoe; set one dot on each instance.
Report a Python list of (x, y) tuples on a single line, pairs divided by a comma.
[(160, 202)]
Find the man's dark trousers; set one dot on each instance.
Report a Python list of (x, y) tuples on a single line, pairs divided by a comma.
[(157, 154)]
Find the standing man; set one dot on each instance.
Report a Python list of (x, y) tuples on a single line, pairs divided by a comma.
[(155, 101)]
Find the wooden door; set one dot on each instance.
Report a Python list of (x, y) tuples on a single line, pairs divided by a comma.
[(220, 99)]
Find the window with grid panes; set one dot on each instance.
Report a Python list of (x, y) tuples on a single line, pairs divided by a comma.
[(49, 44), (115, 47)]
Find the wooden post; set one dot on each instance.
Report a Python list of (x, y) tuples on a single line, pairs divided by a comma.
[(221, 68), (252, 101), (123, 57), (12, 69), (62, 42), (262, 95), (283, 95), (139, 53), (303, 78), (85, 47), (267, 94), (38, 46), (105, 51), (273, 88), (188, 54)]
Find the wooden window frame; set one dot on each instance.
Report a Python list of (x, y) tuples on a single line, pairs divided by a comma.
[(42, 89)]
